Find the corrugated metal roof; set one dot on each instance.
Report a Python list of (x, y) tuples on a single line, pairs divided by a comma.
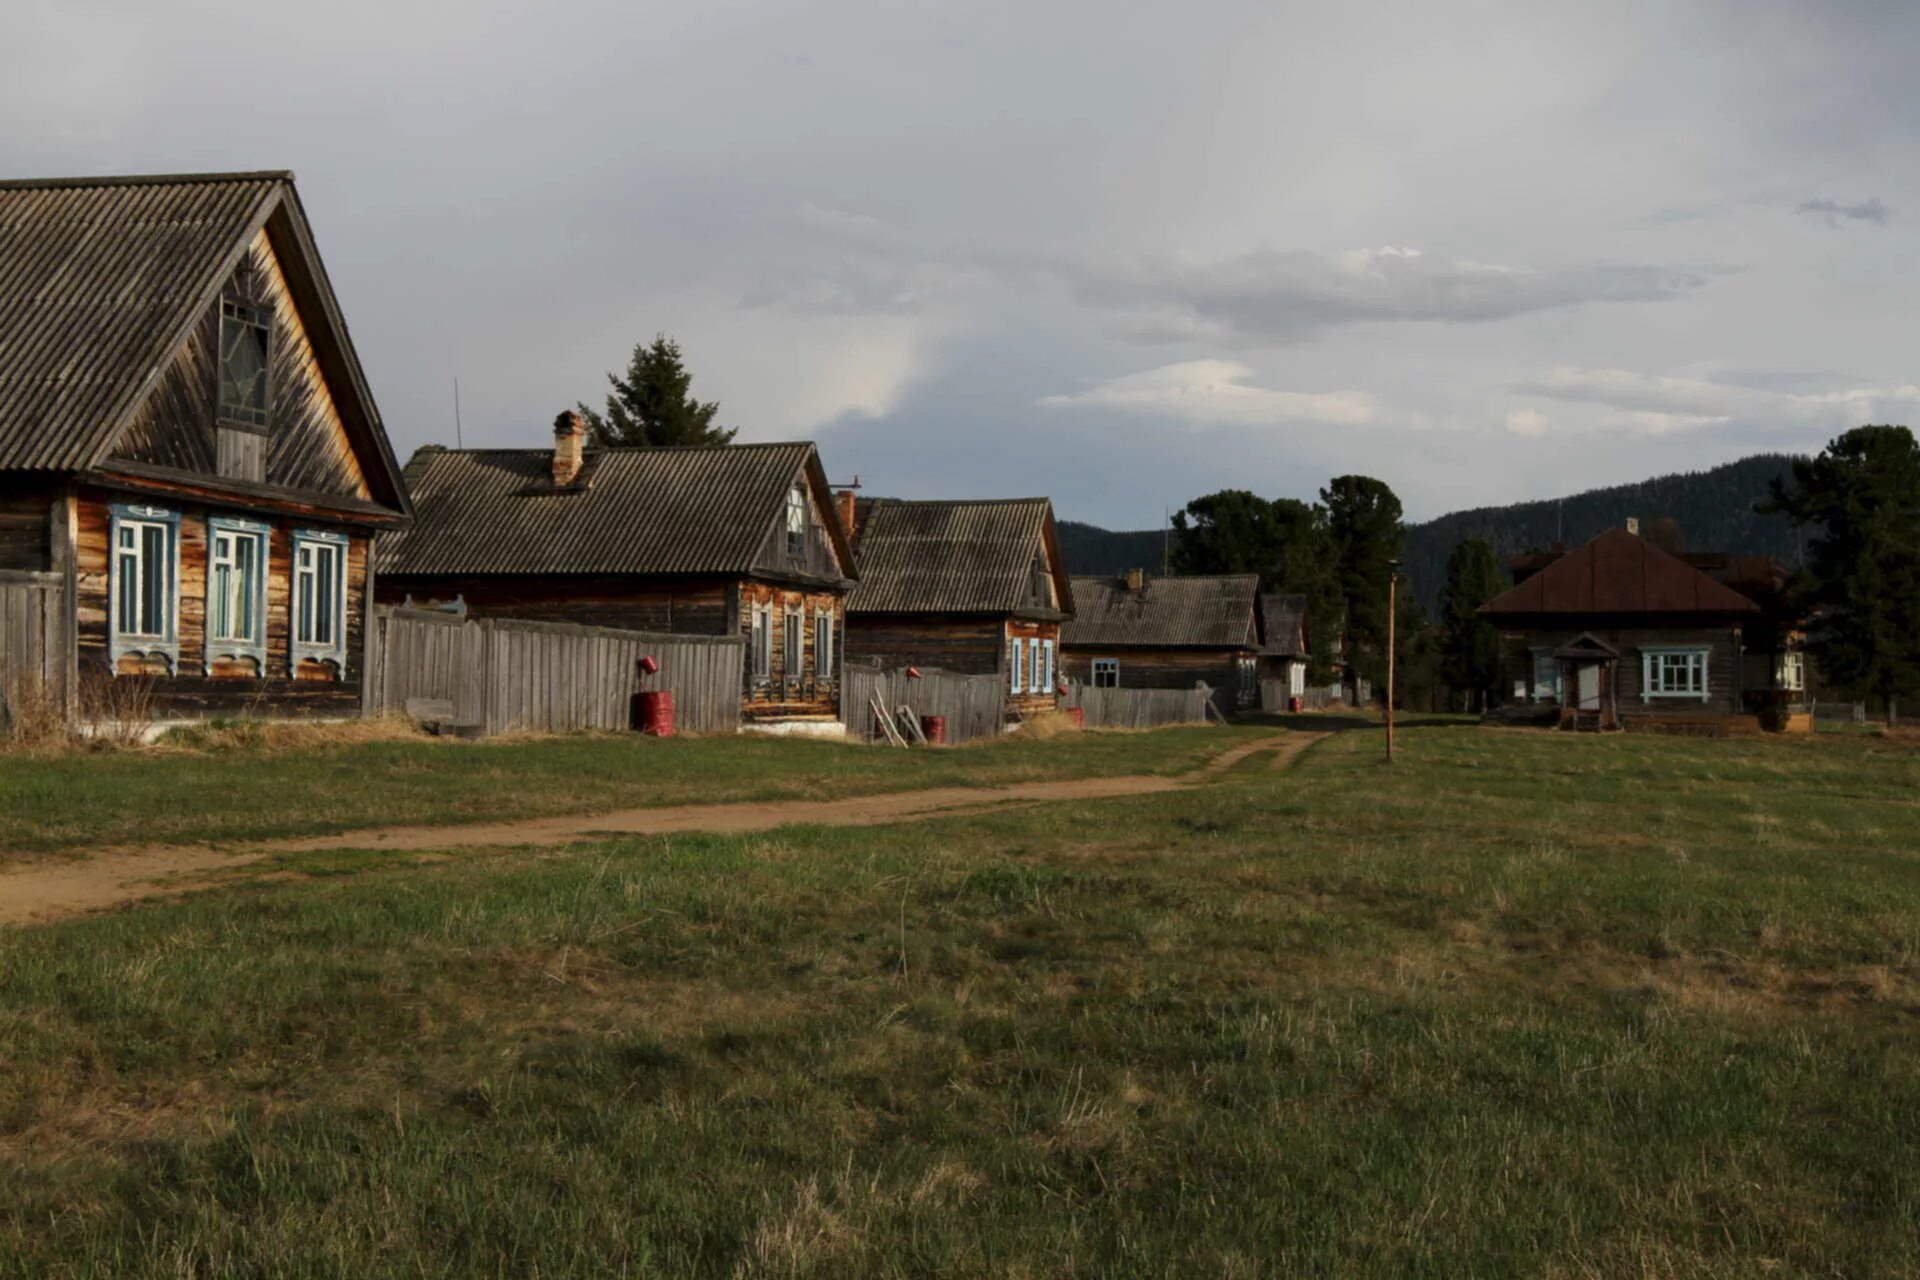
[(635, 511), (1618, 573), (949, 556), (1284, 622), (98, 280), (1211, 612)]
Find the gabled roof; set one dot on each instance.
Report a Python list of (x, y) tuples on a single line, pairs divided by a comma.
[(1618, 573), (954, 556), (1284, 620), (100, 281), (633, 511), (1199, 612)]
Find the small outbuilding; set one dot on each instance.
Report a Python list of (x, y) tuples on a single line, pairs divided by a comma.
[(1140, 632)]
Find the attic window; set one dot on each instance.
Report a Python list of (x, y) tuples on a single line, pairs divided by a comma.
[(796, 521), (245, 343)]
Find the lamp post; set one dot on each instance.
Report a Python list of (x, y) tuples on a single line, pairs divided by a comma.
[(1393, 611)]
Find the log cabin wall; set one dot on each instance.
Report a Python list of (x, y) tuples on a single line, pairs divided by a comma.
[(1148, 668), (698, 608), (1029, 703), (200, 686), (785, 693), (1724, 666), (950, 642), (25, 541)]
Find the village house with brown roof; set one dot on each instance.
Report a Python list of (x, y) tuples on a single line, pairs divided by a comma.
[(970, 586), (1140, 632), (715, 541), (192, 468)]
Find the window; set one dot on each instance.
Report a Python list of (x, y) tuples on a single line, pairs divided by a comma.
[(1106, 673), (794, 633), (796, 521), (1248, 670), (236, 590), (245, 344), (1674, 673), (144, 577), (1042, 585), (319, 597), (1046, 650), (1790, 672), (822, 644), (762, 642), (1018, 665), (1546, 676)]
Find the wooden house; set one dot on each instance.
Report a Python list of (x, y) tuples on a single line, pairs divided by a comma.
[(1139, 632), (192, 469), (1283, 641), (1620, 630), (976, 587), (721, 541)]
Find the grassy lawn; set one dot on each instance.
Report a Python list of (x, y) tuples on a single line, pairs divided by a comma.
[(172, 795), (1525, 1005)]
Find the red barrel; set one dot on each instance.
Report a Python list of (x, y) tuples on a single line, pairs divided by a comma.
[(935, 727), (1079, 715), (1293, 704), (656, 713)]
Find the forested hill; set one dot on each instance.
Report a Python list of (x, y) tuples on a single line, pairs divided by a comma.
[(1714, 508)]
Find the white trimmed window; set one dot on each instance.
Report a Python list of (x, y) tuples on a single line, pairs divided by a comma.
[(1018, 665), (1546, 676), (144, 582), (1046, 651), (319, 598), (794, 633), (1790, 672), (762, 642), (822, 644), (1674, 673), (236, 590), (1106, 673)]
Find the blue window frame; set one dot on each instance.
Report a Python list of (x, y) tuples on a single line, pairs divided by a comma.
[(1018, 664), (319, 630), (237, 591), (143, 584), (1046, 650)]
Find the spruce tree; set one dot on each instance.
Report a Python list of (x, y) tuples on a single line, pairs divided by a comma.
[(1469, 644), (1363, 526), (1284, 540), (651, 407), (1860, 589)]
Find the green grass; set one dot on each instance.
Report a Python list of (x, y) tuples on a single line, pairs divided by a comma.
[(1525, 1004), (80, 801)]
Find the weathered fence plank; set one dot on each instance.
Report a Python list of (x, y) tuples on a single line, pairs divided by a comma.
[(505, 674), (974, 705), (33, 607), (1139, 708)]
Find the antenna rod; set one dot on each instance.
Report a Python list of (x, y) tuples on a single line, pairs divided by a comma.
[(459, 440)]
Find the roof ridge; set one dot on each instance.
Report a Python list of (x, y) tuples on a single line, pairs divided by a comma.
[(148, 179), (957, 502), (622, 448)]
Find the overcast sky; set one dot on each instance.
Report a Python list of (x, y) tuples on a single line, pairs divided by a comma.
[(1121, 254)]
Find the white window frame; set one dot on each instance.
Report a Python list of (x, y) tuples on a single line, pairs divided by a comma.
[(1652, 673), (1046, 653), (1790, 672), (317, 544), (1109, 667), (1018, 664), (796, 521), (235, 531), (823, 644), (122, 640), (793, 642), (761, 643)]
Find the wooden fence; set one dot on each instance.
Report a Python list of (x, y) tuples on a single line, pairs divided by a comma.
[(975, 706), (1141, 708), (33, 635), (503, 674)]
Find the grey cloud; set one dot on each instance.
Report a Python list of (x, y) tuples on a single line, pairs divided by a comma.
[(1834, 212)]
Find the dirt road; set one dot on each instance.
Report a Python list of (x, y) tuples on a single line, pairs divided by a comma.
[(116, 877)]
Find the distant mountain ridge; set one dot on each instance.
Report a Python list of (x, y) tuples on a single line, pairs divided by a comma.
[(1714, 509)]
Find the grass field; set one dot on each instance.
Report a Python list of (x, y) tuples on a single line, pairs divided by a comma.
[(77, 801), (1525, 1005)]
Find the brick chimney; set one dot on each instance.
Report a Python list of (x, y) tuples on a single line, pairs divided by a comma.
[(1136, 579), (569, 447), (846, 502)]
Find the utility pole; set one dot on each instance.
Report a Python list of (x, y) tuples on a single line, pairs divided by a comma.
[(1393, 610)]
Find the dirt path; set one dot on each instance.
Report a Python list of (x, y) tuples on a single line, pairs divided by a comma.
[(116, 877)]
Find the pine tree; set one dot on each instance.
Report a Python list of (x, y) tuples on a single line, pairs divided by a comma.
[(1285, 541), (1363, 525), (1860, 590), (651, 407), (1469, 644)]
